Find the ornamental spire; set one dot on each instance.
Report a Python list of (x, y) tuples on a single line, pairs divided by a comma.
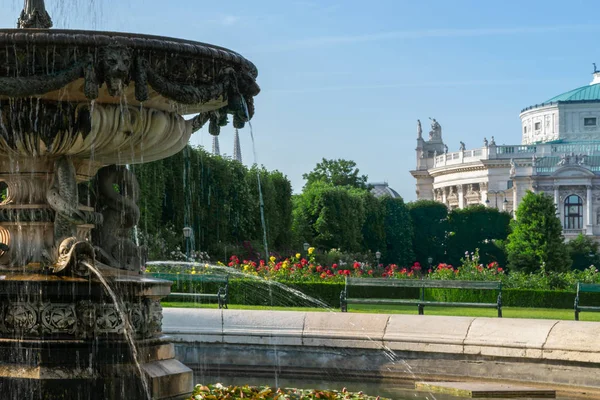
[(34, 15), (215, 146), (237, 149)]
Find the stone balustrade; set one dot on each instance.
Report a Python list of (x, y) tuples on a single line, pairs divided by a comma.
[(515, 151)]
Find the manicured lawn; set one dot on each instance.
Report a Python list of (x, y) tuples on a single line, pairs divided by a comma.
[(508, 312)]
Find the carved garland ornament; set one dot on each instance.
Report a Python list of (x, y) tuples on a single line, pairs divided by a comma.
[(116, 66), (81, 320)]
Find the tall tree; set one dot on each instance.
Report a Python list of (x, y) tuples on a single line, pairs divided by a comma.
[(338, 173), (583, 250), (330, 217), (398, 232), (476, 227), (430, 227), (537, 238)]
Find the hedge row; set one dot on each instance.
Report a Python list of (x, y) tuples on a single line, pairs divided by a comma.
[(309, 294)]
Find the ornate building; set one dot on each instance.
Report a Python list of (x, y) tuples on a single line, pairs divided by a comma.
[(559, 155)]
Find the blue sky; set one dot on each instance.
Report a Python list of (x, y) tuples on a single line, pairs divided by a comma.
[(348, 78)]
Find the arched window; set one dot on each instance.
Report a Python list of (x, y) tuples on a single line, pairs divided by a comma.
[(573, 212)]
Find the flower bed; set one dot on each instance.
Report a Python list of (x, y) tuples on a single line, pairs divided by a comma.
[(218, 392), (306, 269)]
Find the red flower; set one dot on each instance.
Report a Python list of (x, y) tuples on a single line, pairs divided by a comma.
[(500, 269), (356, 265), (319, 268), (334, 266), (370, 272)]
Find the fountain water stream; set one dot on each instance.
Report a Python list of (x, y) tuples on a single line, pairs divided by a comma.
[(75, 108)]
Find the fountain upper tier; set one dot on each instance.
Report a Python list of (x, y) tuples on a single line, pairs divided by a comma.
[(161, 73)]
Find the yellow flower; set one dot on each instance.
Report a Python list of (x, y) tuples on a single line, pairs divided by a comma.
[(311, 250), (298, 255), (207, 266), (272, 259), (193, 272)]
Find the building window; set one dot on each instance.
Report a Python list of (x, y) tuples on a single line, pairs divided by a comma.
[(538, 126), (509, 185), (573, 212), (524, 129), (591, 121)]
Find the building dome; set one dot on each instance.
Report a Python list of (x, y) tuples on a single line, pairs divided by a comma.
[(572, 116), (381, 189), (584, 93)]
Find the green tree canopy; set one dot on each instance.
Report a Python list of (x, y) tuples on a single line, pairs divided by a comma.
[(476, 227), (536, 237), (218, 198), (338, 173), (398, 232), (583, 250), (430, 226), (330, 216)]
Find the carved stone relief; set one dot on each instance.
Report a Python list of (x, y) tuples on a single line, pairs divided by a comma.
[(83, 320), (566, 191)]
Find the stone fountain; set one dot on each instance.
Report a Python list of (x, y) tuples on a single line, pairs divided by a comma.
[(76, 107)]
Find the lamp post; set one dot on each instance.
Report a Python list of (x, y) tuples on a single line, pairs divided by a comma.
[(429, 261), (378, 256), (306, 246), (496, 193), (187, 234)]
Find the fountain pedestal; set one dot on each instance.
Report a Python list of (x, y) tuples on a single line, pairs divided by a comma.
[(62, 336)]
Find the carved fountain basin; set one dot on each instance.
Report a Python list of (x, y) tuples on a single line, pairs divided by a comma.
[(119, 97)]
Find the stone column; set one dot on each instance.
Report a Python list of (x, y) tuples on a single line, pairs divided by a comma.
[(557, 203), (515, 199), (461, 196), (444, 196), (589, 210), (483, 194)]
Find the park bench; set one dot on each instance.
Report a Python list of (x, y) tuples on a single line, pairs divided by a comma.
[(222, 295), (421, 284), (585, 288)]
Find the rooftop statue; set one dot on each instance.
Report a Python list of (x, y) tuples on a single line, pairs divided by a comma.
[(436, 130), (419, 130)]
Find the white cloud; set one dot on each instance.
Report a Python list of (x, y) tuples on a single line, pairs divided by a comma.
[(226, 20), (324, 41), (499, 82), (229, 20)]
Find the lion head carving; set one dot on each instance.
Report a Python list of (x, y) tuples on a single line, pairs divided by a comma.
[(115, 67)]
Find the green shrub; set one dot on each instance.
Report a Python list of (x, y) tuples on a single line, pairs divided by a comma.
[(327, 293)]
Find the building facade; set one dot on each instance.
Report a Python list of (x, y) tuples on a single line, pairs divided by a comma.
[(559, 155)]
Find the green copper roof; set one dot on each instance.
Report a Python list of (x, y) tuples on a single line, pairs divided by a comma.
[(584, 93)]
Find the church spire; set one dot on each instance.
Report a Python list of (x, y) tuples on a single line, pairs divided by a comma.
[(237, 149), (215, 146)]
